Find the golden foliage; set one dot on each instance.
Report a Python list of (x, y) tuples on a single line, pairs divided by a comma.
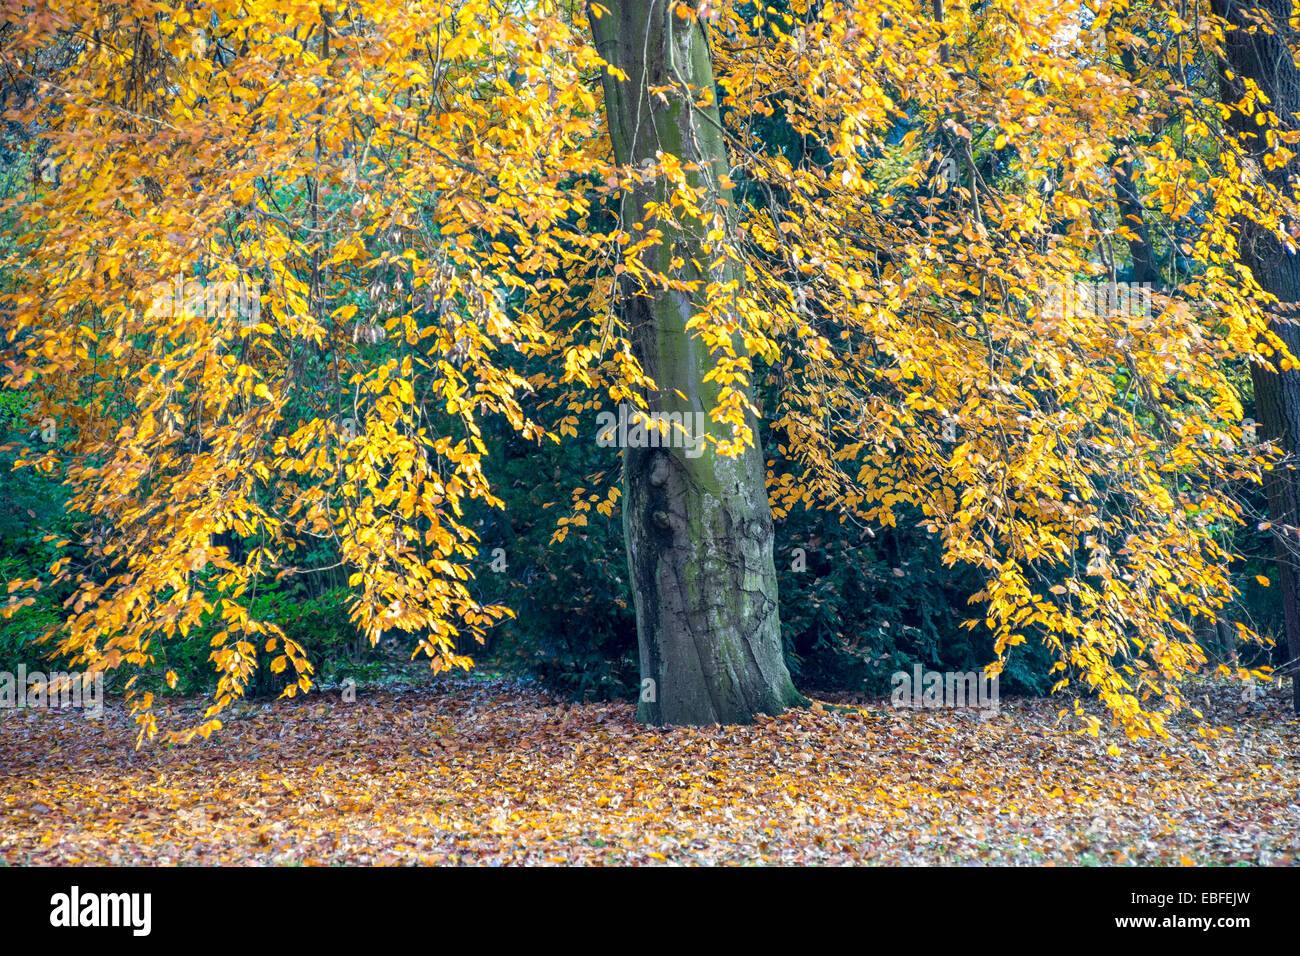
[(442, 164)]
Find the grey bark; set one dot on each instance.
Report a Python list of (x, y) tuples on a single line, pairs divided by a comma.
[(698, 529)]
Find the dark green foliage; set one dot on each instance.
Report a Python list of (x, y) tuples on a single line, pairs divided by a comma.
[(32, 506), (866, 605), (319, 623), (575, 627)]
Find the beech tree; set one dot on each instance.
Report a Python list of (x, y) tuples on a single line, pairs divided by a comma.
[(699, 531), (445, 223)]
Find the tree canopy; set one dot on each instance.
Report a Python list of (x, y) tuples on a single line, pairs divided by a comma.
[(972, 265)]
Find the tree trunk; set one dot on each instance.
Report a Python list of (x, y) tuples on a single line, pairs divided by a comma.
[(1133, 217), (1132, 212), (698, 526), (1264, 57)]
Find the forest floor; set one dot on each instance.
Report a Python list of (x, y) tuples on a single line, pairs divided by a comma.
[(492, 771)]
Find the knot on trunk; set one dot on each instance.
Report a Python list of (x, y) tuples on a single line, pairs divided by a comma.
[(659, 471)]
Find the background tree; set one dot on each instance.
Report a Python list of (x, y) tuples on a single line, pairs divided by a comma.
[(1261, 90)]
